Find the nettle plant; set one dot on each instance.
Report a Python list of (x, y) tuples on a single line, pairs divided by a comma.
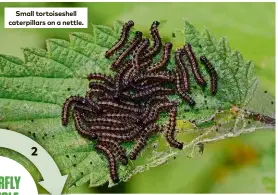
[(33, 93)]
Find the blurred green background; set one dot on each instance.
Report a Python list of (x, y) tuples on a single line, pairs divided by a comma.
[(240, 165)]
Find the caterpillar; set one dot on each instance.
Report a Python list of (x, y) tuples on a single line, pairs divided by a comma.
[(212, 73), (90, 94), (139, 146), (194, 65), (111, 161), (126, 137), (183, 70), (154, 111), (129, 103), (87, 108), (164, 60), (135, 59), (113, 129), (134, 43), (101, 86), (104, 120), (155, 77), (102, 77), (157, 42), (171, 127), (145, 64), (123, 39), (118, 151), (81, 128), (145, 87), (183, 95), (152, 92), (68, 105), (118, 78), (142, 141), (126, 77), (113, 105), (152, 101), (123, 117)]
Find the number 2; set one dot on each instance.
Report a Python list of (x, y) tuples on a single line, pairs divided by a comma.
[(34, 153)]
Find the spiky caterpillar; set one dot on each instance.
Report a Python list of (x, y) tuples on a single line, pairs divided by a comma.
[(117, 106), (123, 117), (127, 77), (112, 129), (95, 93), (152, 77), (98, 91), (101, 77), (142, 140), (124, 137), (123, 39), (212, 73), (70, 102), (164, 59), (149, 104), (171, 128), (144, 65), (103, 120), (117, 150), (151, 52), (118, 79), (156, 109), (136, 54), (131, 73), (152, 92), (82, 128), (112, 164), (145, 87), (194, 65), (134, 43), (181, 68), (182, 92), (101, 86)]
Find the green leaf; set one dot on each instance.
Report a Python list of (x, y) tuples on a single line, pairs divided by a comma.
[(32, 94)]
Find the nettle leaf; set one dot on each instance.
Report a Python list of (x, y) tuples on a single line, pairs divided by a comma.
[(32, 93)]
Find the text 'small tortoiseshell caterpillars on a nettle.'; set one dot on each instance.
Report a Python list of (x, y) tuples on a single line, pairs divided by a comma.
[(126, 107)]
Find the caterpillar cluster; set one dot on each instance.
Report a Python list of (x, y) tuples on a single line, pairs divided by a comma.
[(126, 108)]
